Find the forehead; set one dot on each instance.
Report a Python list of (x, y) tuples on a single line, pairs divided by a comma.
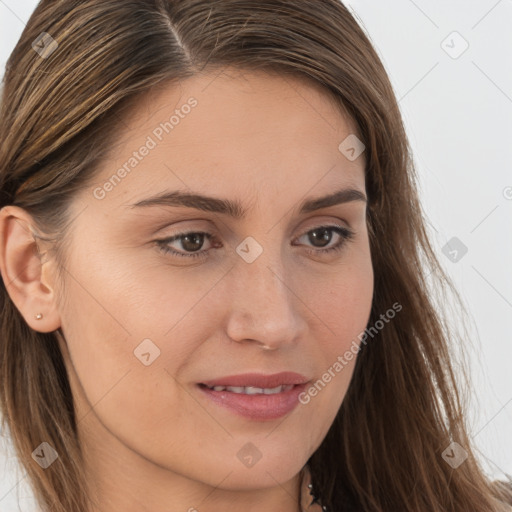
[(238, 133)]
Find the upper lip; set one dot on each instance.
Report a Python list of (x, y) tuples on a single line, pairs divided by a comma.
[(259, 380)]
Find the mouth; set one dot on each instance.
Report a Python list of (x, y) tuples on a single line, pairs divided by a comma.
[(250, 390), (254, 403), (257, 381)]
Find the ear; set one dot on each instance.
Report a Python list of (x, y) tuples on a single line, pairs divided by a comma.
[(25, 270)]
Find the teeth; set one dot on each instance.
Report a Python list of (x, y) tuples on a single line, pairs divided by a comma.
[(279, 389), (249, 390)]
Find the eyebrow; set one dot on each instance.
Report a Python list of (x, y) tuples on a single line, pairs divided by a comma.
[(235, 209)]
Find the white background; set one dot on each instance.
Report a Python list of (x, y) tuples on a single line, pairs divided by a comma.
[(458, 114)]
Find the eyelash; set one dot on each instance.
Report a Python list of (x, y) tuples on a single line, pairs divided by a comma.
[(345, 234)]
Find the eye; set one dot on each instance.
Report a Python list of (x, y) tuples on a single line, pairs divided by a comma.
[(189, 241), (193, 241), (322, 235)]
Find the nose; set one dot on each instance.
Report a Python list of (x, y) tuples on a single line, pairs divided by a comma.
[(264, 309)]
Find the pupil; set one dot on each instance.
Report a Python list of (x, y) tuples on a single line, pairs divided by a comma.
[(325, 238), (196, 237)]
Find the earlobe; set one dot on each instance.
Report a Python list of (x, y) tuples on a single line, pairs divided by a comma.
[(21, 266)]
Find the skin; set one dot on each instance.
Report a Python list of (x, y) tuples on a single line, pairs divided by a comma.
[(152, 441)]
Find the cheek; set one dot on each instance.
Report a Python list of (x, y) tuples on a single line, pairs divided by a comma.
[(105, 317), (119, 315), (340, 318), (343, 301), (124, 368)]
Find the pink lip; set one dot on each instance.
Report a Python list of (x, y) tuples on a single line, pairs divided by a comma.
[(256, 407), (259, 380)]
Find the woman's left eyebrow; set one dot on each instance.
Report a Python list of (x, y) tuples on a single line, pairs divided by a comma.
[(234, 208)]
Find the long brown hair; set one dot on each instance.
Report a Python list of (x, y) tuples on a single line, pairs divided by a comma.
[(59, 111)]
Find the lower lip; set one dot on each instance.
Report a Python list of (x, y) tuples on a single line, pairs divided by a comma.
[(257, 407)]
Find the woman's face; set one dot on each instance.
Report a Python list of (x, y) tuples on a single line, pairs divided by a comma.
[(248, 291)]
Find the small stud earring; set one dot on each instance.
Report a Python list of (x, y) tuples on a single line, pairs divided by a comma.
[(39, 316)]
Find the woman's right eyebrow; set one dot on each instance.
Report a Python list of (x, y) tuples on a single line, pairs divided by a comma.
[(234, 208)]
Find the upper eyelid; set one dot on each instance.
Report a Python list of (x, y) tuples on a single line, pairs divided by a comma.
[(317, 224), (213, 235)]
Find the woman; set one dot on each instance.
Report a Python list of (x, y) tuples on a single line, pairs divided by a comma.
[(214, 268)]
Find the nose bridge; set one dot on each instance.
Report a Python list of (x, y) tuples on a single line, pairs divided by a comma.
[(263, 306), (263, 281)]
